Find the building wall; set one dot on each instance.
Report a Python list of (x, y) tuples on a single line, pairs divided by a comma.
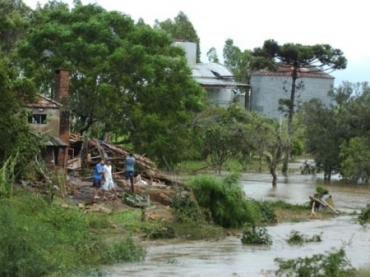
[(52, 121), (190, 51), (267, 90), (220, 96)]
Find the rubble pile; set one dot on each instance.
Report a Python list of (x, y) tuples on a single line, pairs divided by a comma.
[(150, 183)]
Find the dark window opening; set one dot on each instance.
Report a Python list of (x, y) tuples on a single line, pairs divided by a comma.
[(37, 119)]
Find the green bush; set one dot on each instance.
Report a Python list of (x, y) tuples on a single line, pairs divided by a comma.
[(297, 238), (226, 201), (364, 216), (331, 264), (185, 208), (256, 235)]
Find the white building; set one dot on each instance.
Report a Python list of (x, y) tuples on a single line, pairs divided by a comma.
[(268, 87), (216, 79)]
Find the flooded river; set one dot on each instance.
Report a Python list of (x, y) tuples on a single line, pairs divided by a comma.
[(229, 257)]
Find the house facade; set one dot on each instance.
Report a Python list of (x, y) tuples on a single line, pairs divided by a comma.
[(50, 117), (268, 87)]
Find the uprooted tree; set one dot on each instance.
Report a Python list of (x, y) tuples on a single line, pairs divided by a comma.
[(321, 56)]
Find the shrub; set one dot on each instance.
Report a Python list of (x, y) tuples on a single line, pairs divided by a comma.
[(256, 235), (124, 251), (364, 216), (7, 177), (331, 264), (225, 200), (297, 238)]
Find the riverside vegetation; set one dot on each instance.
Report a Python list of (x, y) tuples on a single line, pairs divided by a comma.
[(39, 237)]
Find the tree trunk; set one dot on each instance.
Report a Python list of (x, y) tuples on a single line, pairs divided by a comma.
[(290, 118), (273, 172)]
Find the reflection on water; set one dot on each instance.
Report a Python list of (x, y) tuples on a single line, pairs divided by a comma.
[(296, 188), (230, 258)]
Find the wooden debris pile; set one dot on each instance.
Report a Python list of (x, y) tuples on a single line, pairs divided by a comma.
[(91, 151)]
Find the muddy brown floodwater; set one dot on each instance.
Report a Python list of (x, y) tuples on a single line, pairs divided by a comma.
[(229, 257)]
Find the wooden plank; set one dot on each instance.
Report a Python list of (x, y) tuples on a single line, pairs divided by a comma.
[(313, 210), (324, 203)]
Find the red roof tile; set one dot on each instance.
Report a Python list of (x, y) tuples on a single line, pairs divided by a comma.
[(44, 102)]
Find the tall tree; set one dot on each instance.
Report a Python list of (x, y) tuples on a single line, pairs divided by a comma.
[(181, 28), (321, 56), (125, 76), (15, 133), (212, 55), (14, 17), (324, 135), (237, 60)]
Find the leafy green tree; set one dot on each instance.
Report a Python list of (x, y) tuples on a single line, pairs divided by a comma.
[(125, 76), (14, 18), (217, 143), (212, 55), (181, 28), (324, 135), (355, 165), (355, 100), (321, 56), (237, 60), (15, 133)]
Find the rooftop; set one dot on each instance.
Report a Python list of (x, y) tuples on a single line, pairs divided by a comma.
[(214, 74), (44, 102)]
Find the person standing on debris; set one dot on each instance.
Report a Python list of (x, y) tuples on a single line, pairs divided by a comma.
[(130, 169), (108, 184), (97, 178)]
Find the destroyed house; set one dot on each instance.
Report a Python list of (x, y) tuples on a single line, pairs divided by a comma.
[(50, 118)]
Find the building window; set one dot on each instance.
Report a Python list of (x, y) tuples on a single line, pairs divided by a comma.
[(37, 119)]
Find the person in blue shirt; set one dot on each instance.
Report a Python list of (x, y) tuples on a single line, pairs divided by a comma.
[(97, 178), (130, 169)]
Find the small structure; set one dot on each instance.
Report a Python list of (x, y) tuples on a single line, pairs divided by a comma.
[(51, 117), (220, 84), (268, 87), (216, 79)]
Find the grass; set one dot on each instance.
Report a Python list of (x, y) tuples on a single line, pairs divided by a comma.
[(287, 212), (129, 220), (39, 239)]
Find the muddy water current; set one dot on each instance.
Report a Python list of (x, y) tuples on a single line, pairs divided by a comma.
[(229, 257)]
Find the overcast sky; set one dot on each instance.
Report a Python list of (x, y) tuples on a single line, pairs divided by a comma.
[(340, 23)]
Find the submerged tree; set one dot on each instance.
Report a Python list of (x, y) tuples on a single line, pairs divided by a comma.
[(324, 135), (321, 56)]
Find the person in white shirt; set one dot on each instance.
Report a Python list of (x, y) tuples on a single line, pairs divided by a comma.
[(108, 184)]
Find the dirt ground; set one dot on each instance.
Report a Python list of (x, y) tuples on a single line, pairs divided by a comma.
[(83, 194)]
